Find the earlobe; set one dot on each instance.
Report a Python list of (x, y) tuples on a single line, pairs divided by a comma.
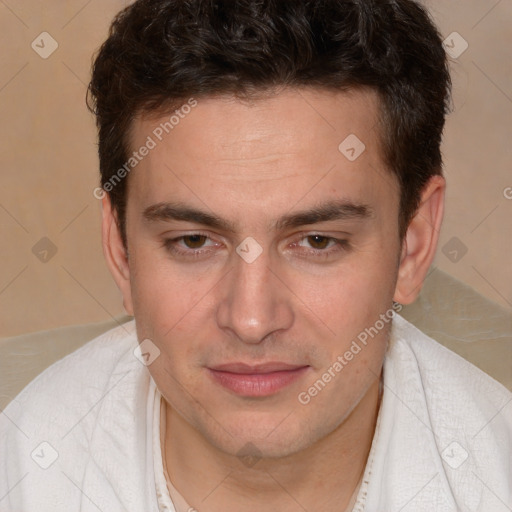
[(115, 253), (420, 242)]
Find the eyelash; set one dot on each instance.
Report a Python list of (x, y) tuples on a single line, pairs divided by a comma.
[(340, 245)]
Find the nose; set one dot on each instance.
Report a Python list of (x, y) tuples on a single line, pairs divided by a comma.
[(254, 303)]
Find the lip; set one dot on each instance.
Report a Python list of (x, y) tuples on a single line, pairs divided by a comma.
[(256, 380)]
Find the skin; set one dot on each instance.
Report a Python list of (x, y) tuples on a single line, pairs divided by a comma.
[(302, 301)]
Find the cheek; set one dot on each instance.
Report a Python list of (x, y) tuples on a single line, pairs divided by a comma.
[(165, 293), (170, 309), (353, 293), (175, 309)]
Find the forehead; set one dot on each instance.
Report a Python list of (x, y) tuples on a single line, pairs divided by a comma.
[(270, 151)]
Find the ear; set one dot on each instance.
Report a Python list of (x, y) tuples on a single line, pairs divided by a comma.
[(115, 253), (420, 242)]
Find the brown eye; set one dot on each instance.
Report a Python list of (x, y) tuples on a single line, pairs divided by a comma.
[(194, 241), (318, 241), (192, 246)]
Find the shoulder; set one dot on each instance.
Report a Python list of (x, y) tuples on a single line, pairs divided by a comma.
[(443, 439), (459, 415), (67, 419), (448, 377), (82, 376)]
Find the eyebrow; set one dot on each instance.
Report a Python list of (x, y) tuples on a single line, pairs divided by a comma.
[(325, 212)]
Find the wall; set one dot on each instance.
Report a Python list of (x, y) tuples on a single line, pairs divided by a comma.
[(52, 271)]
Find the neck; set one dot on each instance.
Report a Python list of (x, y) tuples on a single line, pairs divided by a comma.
[(325, 476)]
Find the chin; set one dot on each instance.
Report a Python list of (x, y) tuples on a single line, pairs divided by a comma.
[(264, 437)]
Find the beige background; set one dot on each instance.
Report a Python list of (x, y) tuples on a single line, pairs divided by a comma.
[(48, 163)]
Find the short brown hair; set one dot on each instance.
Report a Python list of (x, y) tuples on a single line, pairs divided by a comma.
[(161, 52)]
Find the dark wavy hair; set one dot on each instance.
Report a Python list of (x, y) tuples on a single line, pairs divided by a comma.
[(159, 53)]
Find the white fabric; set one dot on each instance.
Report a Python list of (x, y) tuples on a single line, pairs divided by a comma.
[(99, 410), (169, 499)]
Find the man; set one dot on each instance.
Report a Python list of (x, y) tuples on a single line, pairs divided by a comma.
[(272, 193)]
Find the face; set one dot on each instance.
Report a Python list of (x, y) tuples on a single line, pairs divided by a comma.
[(258, 252)]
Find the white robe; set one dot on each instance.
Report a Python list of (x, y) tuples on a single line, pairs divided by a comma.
[(84, 435)]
